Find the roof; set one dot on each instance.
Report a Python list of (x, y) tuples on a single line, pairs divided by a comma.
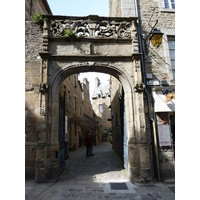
[(103, 90)]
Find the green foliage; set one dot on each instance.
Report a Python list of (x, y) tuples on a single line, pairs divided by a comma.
[(38, 18), (69, 33)]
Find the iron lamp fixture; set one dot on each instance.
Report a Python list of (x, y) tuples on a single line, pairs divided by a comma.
[(156, 37)]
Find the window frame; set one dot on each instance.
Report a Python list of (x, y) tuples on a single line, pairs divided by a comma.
[(164, 9), (170, 4), (172, 38), (100, 108)]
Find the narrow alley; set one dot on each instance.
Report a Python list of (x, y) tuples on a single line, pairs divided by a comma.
[(97, 177)]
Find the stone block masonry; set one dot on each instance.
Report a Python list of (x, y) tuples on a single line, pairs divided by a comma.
[(35, 124)]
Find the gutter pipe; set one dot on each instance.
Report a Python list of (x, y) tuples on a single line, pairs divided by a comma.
[(152, 120)]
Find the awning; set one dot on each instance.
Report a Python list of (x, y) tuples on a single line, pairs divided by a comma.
[(160, 103)]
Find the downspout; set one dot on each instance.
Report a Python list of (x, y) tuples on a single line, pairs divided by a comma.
[(31, 5), (152, 120)]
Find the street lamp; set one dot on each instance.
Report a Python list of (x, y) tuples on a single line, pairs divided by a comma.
[(156, 37)]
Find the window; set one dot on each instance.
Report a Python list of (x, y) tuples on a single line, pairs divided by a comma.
[(75, 104), (100, 108), (170, 4), (171, 44), (75, 84), (68, 98)]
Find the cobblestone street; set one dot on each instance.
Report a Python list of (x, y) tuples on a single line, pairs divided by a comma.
[(97, 177)]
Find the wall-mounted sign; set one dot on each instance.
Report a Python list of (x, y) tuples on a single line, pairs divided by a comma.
[(153, 82), (164, 135)]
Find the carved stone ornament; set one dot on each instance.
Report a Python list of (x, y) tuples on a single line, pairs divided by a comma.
[(137, 65), (44, 87), (44, 66), (88, 28), (42, 112), (89, 64), (139, 87)]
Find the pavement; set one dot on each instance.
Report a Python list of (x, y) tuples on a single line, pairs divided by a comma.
[(97, 177)]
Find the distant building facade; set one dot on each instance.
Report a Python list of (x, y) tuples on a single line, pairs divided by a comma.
[(90, 119), (101, 104)]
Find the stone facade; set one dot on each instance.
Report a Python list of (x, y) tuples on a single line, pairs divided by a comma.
[(97, 44), (158, 65), (101, 103), (35, 6), (117, 115), (90, 119), (35, 122), (78, 111), (80, 116), (96, 48), (73, 109)]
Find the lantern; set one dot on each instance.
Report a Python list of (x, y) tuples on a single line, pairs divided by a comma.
[(156, 38)]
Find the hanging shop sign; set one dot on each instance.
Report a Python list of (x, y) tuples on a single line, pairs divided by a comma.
[(164, 135)]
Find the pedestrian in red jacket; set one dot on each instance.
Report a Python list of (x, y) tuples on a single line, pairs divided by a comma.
[(88, 144)]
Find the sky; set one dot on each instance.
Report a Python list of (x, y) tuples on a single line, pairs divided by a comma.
[(83, 8), (79, 7)]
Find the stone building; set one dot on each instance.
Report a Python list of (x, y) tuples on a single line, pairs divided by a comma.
[(117, 45), (117, 115), (76, 115), (158, 65), (79, 115), (35, 6), (90, 119), (101, 104), (72, 91), (35, 126)]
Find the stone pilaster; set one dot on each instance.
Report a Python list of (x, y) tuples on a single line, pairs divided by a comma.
[(139, 154)]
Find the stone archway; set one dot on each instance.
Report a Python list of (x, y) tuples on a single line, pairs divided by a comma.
[(83, 67), (112, 50)]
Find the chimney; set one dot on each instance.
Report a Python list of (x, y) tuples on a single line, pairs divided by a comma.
[(86, 83), (97, 82)]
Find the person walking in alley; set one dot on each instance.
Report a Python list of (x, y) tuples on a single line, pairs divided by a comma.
[(81, 139), (88, 144)]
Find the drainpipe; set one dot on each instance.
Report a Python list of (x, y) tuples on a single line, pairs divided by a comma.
[(31, 5), (152, 120)]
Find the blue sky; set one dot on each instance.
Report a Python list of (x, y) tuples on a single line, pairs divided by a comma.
[(79, 7)]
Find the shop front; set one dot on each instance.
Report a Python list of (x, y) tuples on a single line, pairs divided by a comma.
[(164, 108)]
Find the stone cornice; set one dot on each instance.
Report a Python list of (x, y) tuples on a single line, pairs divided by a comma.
[(94, 40), (91, 17), (94, 58)]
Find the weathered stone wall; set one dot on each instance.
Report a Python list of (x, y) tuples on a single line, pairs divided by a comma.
[(73, 95), (36, 6), (115, 8), (158, 62), (105, 115), (35, 123), (122, 8), (87, 107), (117, 117), (124, 65)]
